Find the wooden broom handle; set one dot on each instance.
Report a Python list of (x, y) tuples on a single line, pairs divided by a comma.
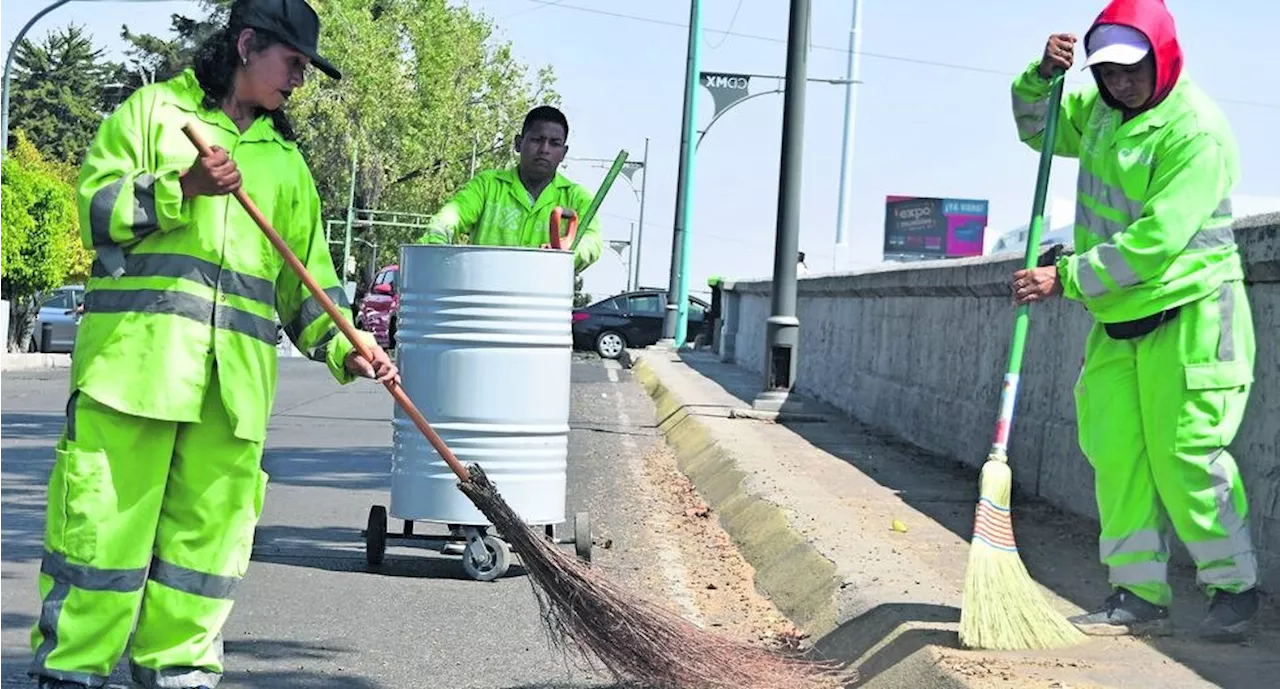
[(343, 324), (556, 214)]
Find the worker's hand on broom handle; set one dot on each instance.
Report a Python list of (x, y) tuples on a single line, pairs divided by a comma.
[(558, 242), (343, 324)]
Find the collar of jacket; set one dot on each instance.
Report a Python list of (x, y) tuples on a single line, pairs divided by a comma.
[(1158, 116), (188, 96), (511, 176)]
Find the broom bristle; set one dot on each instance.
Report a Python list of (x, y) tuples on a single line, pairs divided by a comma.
[(635, 639), (1003, 607)]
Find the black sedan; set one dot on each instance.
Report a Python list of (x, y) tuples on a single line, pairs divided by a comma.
[(633, 319)]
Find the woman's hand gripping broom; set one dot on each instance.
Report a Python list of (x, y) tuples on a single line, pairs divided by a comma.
[(1003, 607), (632, 638)]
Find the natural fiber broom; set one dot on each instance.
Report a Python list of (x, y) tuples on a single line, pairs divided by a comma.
[(1003, 607), (632, 638)]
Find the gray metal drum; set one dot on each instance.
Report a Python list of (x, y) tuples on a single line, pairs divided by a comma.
[(484, 346)]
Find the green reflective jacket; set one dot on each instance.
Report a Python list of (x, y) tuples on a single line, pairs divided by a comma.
[(179, 286), (494, 209), (1153, 209)]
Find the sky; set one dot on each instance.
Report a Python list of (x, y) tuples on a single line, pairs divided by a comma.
[(932, 116)]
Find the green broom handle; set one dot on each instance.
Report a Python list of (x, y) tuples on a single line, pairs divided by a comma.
[(618, 162), (1010, 392)]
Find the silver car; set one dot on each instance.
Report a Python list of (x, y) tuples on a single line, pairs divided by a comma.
[(57, 320)]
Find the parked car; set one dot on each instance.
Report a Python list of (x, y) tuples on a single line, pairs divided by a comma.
[(377, 312), (633, 319), (60, 311)]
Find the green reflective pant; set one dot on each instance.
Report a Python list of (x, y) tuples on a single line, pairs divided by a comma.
[(1155, 415), (149, 523)]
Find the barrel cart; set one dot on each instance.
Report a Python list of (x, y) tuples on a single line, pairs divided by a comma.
[(484, 348)]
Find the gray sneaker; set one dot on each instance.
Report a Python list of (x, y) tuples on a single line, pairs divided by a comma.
[(1124, 614), (1230, 616)]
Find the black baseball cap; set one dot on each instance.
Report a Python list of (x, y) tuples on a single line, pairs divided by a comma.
[(292, 21)]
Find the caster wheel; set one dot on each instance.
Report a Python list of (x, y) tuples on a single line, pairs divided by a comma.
[(499, 560), (582, 536), (375, 535)]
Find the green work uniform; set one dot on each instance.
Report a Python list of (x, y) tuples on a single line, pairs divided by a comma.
[(495, 209), (157, 485), (1156, 411)]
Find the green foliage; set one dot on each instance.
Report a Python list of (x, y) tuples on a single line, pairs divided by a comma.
[(580, 298), (57, 92), (41, 229), (423, 87)]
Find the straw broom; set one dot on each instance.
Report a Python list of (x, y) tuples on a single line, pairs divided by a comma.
[(632, 638), (1003, 607)]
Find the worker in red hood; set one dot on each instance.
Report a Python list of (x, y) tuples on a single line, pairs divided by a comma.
[(1169, 361)]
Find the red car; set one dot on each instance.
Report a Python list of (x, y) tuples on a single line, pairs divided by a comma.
[(377, 312)]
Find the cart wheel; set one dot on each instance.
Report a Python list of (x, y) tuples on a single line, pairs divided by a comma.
[(499, 560), (375, 535), (582, 536)]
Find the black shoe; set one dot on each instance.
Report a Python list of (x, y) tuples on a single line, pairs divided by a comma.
[(49, 683), (1124, 613), (1230, 616)]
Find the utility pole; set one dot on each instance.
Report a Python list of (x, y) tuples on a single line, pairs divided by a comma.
[(782, 329), (675, 324), (644, 185), (845, 213), (631, 258)]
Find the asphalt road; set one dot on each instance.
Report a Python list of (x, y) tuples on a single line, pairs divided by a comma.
[(310, 613)]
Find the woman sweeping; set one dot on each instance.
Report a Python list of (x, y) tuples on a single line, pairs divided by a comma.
[(157, 486)]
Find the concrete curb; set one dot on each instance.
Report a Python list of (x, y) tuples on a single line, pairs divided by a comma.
[(34, 362), (798, 579)]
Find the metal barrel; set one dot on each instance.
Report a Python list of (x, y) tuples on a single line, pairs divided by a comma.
[(484, 346)]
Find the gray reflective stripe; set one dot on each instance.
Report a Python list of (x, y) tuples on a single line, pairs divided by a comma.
[(1108, 195), (1213, 238), (1139, 573), (1244, 567), (311, 311), (92, 578), (1088, 218), (198, 270), (65, 575), (1226, 322), (145, 218), (1223, 210), (1213, 550), (1113, 262), (321, 351), (191, 581), (173, 677), (1144, 541), (181, 304), (1030, 116), (71, 415)]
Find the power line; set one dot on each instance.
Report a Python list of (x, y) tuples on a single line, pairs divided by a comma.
[(838, 49)]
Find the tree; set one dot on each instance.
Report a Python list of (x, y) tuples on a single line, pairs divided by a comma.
[(423, 88), (57, 92), (41, 228), (580, 298), (152, 58)]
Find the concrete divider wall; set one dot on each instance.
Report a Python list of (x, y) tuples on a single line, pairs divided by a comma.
[(920, 352)]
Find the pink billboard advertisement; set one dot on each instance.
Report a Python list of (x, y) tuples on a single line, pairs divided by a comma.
[(950, 228)]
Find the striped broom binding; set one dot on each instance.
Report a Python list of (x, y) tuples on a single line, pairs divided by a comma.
[(992, 525)]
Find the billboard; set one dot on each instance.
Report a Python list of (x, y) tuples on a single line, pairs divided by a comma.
[(943, 228)]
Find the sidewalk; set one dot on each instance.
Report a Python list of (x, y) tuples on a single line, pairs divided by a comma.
[(810, 503), (33, 361)]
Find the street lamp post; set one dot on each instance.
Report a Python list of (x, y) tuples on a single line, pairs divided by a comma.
[(782, 328), (8, 64)]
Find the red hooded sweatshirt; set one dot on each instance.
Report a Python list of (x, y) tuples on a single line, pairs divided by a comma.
[(1153, 19)]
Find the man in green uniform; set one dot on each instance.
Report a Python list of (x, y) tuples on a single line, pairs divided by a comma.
[(1169, 361), (157, 484), (512, 207)]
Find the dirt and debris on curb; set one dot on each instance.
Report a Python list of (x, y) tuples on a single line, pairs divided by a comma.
[(719, 580)]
